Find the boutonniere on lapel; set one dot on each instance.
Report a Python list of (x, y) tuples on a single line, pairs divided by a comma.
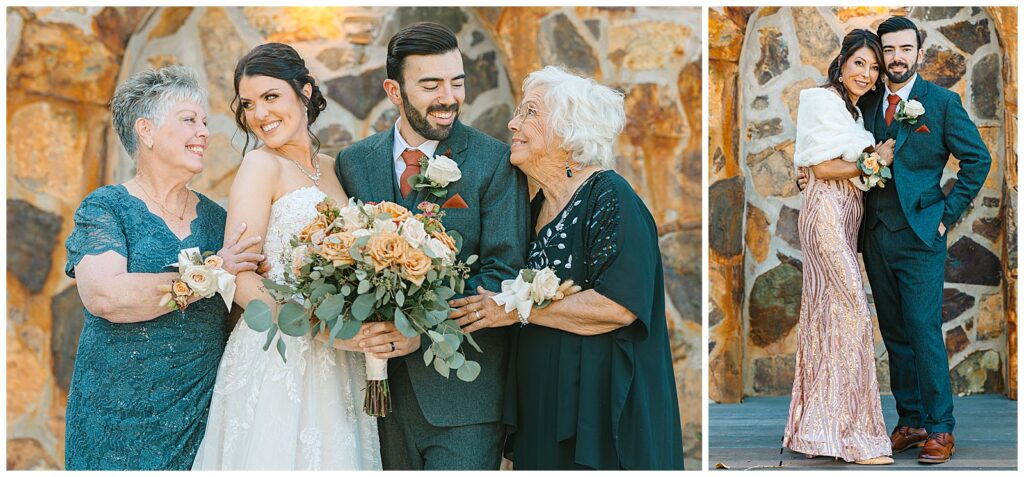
[(909, 111), (436, 175)]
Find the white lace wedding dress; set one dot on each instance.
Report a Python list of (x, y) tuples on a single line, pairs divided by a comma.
[(303, 414)]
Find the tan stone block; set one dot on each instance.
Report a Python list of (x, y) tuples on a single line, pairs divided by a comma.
[(297, 24), (646, 45), (222, 47), (60, 60), (791, 95), (772, 171), (160, 61), (27, 378), (757, 238), (722, 136), (517, 34), (768, 11), (845, 14), (725, 380), (655, 129), (994, 143), (171, 19), (28, 454), (819, 44), (53, 149), (724, 35), (991, 319)]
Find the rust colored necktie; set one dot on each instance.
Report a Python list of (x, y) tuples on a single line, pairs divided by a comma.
[(890, 111), (411, 157)]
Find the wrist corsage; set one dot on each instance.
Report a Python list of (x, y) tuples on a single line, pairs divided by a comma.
[(533, 288), (874, 171), (202, 275)]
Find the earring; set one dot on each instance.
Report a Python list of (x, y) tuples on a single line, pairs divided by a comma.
[(873, 87), (840, 79), (568, 169)]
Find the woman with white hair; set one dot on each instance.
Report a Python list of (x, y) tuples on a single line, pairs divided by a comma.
[(591, 384), (144, 376)]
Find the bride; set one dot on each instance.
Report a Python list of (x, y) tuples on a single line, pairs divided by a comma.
[(266, 413), (835, 408)]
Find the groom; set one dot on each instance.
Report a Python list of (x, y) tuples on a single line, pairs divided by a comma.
[(903, 235), (439, 423)]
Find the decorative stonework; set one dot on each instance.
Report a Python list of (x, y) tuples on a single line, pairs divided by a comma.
[(785, 51), (65, 62)]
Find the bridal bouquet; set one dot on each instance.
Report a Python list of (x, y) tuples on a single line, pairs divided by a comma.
[(372, 262), (533, 288), (202, 275), (874, 172)]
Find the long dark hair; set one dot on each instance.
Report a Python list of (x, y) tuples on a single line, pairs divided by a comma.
[(280, 61), (852, 42)]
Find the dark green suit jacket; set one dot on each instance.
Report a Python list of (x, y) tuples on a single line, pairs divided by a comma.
[(494, 226), (921, 153)]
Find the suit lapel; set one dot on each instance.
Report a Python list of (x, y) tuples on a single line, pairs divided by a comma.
[(454, 147), (918, 93), (869, 108), (380, 170)]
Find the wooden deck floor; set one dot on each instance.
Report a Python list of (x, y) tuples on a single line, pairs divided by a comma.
[(749, 434)]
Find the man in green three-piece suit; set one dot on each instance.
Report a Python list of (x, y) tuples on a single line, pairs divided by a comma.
[(439, 423), (903, 235)]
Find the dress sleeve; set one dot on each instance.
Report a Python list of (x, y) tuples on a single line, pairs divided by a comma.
[(622, 253), (97, 230)]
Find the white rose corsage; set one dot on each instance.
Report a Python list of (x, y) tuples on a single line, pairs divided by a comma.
[(200, 276), (533, 288), (436, 174), (909, 111)]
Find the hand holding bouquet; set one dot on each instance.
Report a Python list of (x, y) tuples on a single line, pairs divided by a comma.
[(874, 171), (372, 262), (200, 276)]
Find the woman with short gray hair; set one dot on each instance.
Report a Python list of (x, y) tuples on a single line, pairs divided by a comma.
[(591, 384), (144, 376)]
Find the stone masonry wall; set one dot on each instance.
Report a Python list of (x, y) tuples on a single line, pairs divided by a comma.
[(787, 50), (63, 64)]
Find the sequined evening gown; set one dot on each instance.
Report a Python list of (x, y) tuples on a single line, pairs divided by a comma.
[(835, 408), (303, 414)]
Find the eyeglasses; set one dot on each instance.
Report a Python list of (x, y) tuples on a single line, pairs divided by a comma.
[(528, 112)]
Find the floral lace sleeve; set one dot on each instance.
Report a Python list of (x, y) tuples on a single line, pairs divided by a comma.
[(97, 230), (602, 231)]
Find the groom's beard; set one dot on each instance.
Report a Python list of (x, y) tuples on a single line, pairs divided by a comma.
[(419, 121), (900, 78)]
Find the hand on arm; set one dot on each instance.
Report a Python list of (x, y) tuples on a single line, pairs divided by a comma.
[(585, 313)]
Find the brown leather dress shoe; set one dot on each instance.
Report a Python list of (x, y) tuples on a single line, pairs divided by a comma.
[(938, 449), (905, 437)]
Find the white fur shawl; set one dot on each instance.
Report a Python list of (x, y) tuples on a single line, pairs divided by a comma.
[(826, 130)]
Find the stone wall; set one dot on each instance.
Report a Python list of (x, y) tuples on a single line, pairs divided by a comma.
[(764, 62), (63, 64)]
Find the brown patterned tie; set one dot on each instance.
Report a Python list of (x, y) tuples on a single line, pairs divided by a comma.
[(890, 111), (411, 157)]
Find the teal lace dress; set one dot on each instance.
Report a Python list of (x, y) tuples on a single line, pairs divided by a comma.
[(606, 401), (140, 391)]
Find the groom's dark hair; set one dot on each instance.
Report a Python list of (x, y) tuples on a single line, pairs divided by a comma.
[(422, 38), (895, 24)]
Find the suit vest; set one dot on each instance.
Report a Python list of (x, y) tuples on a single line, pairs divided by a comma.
[(883, 203)]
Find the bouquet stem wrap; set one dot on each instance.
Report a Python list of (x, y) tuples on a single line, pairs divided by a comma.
[(378, 396)]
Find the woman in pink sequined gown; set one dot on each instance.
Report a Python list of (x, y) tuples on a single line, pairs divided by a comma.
[(835, 408)]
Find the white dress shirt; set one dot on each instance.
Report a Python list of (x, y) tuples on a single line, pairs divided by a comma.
[(903, 93), (428, 148)]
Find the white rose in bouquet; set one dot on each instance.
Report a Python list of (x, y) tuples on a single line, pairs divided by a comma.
[(544, 286), (412, 232), (384, 225), (350, 216), (438, 249), (201, 280), (442, 171)]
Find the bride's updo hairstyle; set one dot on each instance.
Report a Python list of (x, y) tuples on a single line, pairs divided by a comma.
[(852, 42), (280, 61)]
